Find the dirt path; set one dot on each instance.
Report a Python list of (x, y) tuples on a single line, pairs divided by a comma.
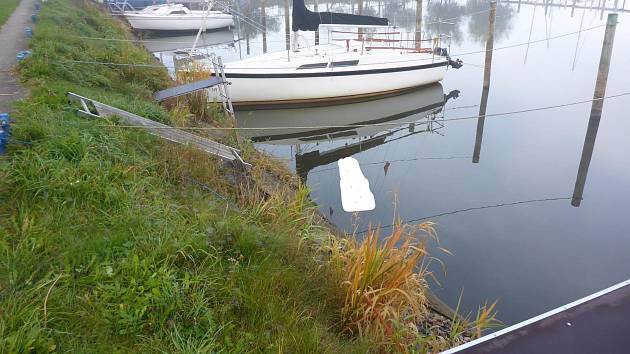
[(13, 39)]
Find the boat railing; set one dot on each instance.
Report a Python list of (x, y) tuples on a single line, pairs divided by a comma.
[(119, 7), (388, 40)]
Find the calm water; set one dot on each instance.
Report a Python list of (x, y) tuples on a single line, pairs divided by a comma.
[(532, 256)]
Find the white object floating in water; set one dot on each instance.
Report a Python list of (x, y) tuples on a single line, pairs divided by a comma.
[(355, 188)]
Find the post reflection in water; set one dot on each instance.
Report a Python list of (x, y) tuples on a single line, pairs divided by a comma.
[(596, 110), (351, 128), (486, 84)]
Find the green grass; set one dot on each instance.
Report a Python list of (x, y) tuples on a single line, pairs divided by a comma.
[(6, 9), (103, 247), (106, 246)]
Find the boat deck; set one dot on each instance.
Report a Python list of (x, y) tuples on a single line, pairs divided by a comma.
[(599, 323), (329, 56)]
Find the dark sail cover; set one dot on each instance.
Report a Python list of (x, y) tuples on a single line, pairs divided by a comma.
[(306, 20)]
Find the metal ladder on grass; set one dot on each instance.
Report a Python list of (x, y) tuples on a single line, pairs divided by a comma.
[(222, 89), (94, 109)]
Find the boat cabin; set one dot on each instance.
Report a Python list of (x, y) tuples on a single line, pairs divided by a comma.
[(166, 10)]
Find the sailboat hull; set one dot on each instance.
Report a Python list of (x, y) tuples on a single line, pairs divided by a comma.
[(251, 89), (179, 23)]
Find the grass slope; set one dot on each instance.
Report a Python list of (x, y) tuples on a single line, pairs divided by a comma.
[(6, 9), (103, 248)]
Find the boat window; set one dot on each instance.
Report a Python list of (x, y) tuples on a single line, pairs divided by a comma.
[(178, 12), (312, 66), (344, 63), (342, 134)]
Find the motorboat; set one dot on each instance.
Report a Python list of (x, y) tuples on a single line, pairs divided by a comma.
[(177, 17), (373, 60)]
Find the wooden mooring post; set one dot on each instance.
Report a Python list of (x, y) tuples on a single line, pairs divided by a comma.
[(287, 25), (596, 109), (418, 34), (263, 21), (486, 83), (239, 29), (316, 32)]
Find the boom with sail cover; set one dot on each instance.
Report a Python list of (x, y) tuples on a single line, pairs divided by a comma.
[(306, 20)]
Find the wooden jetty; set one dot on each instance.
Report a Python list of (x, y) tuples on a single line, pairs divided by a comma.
[(598, 323), (101, 110)]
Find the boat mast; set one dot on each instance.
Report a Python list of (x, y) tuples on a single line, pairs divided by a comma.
[(202, 28)]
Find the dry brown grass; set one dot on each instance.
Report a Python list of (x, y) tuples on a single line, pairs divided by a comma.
[(198, 102), (384, 284)]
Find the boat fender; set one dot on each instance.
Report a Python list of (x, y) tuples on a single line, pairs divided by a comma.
[(454, 94), (455, 64)]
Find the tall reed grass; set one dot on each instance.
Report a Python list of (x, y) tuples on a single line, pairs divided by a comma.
[(198, 102), (384, 283)]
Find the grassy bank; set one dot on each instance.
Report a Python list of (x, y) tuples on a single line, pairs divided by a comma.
[(114, 241), (6, 9)]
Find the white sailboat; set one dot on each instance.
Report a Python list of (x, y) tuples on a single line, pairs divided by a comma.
[(375, 60), (177, 17)]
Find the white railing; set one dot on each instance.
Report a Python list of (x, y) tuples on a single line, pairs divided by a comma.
[(386, 38)]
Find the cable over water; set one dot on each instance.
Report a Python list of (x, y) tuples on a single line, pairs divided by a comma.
[(399, 160), (384, 124), (475, 208)]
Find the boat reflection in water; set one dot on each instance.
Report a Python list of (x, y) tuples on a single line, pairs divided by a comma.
[(347, 129), (163, 42)]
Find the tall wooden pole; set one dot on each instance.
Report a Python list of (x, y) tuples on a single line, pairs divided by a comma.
[(287, 24), (418, 34), (238, 25), (263, 21), (360, 12), (596, 110), (317, 32), (486, 83)]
